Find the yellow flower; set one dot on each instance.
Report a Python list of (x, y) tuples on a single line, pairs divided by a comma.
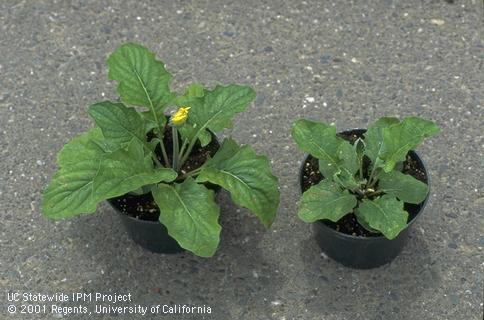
[(180, 116)]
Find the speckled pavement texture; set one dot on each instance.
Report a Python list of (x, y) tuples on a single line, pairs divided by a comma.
[(336, 61)]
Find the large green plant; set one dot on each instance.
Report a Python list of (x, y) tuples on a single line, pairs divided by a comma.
[(116, 157), (376, 195)]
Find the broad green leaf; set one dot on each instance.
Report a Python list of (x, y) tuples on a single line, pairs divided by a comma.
[(335, 155), (348, 165), (228, 149), (90, 173), (219, 107), (384, 214), (150, 121), (319, 140), (373, 137), (194, 92), (348, 156), (70, 191), (205, 138), (403, 186), (118, 123), (365, 224), (189, 130), (326, 200), (153, 143), (193, 98), (347, 181), (87, 146), (399, 139), (126, 170), (189, 212), (248, 178), (142, 80)]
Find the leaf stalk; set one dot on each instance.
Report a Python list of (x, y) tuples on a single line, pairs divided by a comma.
[(176, 149)]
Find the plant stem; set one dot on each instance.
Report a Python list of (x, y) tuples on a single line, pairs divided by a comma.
[(361, 168), (156, 159), (373, 178), (184, 145), (165, 155), (189, 174), (160, 136), (176, 150), (359, 192), (153, 155), (189, 149)]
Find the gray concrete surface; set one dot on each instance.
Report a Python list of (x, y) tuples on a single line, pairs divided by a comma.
[(338, 61)]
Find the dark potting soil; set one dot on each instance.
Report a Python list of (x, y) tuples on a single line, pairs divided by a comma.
[(144, 206), (349, 224)]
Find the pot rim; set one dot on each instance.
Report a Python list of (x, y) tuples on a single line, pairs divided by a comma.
[(381, 236), (131, 217)]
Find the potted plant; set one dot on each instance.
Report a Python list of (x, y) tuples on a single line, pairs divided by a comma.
[(362, 189), (160, 172)]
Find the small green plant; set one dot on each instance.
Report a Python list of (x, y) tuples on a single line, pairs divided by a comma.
[(364, 177), (118, 155)]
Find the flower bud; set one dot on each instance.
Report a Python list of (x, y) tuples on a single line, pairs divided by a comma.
[(180, 116)]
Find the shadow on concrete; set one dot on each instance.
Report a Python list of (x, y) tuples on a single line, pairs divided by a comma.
[(237, 278), (372, 294)]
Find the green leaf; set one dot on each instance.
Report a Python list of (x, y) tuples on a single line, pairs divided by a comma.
[(193, 98), (359, 147), (373, 138), (118, 123), (219, 107), (91, 172), (228, 149), (319, 140), (347, 156), (205, 138), (365, 224), (126, 170), (326, 200), (194, 92), (189, 130), (248, 178), (189, 212), (153, 143), (399, 139), (347, 181), (70, 191), (150, 122), (335, 155), (348, 165), (403, 186), (87, 146), (384, 214), (143, 80)]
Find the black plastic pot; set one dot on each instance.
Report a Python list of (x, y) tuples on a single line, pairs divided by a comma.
[(152, 235), (363, 252)]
